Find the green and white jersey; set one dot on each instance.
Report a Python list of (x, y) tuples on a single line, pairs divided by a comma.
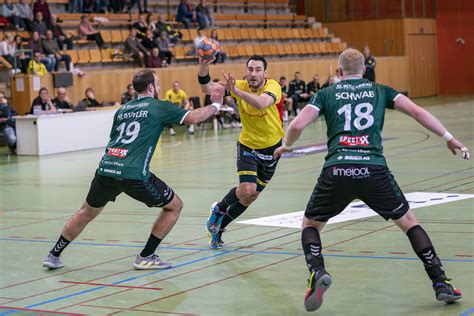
[(135, 132), (355, 111)]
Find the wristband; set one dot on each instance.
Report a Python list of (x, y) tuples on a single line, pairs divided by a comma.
[(447, 136), (217, 106), (204, 80)]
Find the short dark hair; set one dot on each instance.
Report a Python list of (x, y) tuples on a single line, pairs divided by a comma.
[(129, 85), (258, 58), (282, 78), (43, 89), (142, 79)]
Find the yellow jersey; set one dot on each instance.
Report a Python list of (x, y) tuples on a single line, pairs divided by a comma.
[(176, 98), (35, 68), (260, 128)]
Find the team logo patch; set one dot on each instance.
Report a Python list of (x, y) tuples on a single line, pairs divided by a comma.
[(362, 140), (117, 152)]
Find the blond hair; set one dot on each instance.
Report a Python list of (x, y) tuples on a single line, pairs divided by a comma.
[(352, 62)]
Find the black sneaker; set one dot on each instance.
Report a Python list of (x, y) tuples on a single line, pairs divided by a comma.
[(319, 281), (444, 291)]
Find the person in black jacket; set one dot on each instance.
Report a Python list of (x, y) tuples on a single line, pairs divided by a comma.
[(7, 122), (313, 86), (370, 63), (297, 91)]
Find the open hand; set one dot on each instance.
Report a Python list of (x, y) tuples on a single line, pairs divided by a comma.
[(229, 82)]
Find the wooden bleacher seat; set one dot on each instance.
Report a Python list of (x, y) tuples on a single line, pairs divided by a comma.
[(249, 50), (83, 56), (106, 56), (73, 54), (95, 56), (116, 36), (179, 52)]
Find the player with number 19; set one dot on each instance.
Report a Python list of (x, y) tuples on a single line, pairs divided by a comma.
[(124, 167)]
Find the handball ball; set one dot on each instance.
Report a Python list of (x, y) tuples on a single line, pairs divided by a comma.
[(208, 48)]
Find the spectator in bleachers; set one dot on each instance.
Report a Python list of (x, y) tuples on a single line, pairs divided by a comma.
[(141, 25), (51, 48), (76, 6), (313, 86), (287, 101), (7, 48), (36, 45), (25, 13), (61, 102), (177, 96), (42, 103), (186, 13), (149, 42), (134, 48), (370, 63), (39, 25), (161, 26), (154, 60), (150, 21), (10, 12), (35, 66), (43, 7), (91, 102), (87, 31), (297, 91), (140, 10), (129, 95), (204, 15), (22, 57), (329, 82), (7, 122), (221, 56), (58, 33), (164, 47), (201, 34)]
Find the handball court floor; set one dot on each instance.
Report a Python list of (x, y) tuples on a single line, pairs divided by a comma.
[(261, 270)]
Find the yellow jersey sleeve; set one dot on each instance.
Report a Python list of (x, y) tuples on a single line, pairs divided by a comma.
[(273, 89)]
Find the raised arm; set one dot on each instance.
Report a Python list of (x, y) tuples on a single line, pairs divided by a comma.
[(202, 114), (203, 74), (430, 122)]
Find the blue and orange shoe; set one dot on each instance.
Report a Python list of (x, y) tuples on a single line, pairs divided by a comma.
[(318, 283), (215, 219), (445, 291), (215, 240)]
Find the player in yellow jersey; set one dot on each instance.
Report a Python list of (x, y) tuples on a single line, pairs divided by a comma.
[(260, 104)]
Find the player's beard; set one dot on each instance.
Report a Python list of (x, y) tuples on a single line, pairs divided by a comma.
[(255, 84)]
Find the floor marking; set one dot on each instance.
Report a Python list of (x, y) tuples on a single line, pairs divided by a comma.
[(140, 310), (37, 310), (358, 210), (114, 285), (468, 312)]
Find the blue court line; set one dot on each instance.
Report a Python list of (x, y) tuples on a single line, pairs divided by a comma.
[(468, 312)]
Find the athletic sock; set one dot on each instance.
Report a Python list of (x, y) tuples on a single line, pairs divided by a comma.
[(312, 248), (424, 249), (151, 245), (228, 200), (234, 211), (59, 247)]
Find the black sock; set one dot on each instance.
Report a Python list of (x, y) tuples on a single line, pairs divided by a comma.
[(151, 245), (59, 247), (312, 248), (234, 211), (424, 249), (228, 200)]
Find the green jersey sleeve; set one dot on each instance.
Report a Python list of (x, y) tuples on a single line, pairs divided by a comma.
[(170, 113), (317, 102), (392, 95)]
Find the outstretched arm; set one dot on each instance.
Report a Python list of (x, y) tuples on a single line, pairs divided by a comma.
[(430, 122), (203, 74), (202, 114)]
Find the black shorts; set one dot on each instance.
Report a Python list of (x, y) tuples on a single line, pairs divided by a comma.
[(339, 185), (154, 192), (256, 165)]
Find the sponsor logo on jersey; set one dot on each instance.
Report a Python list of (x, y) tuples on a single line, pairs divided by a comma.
[(351, 172), (362, 140), (117, 152), (356, 157)]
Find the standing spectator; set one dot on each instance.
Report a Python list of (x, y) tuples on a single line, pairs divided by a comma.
[(164, 46), (36, 45), (141, 25), (178, 97), (221, 56), (287, 101), (314, 86), (370, 63), (149, 42), (186, 13), (298, 92), (76, 6), (61, 102), (134, 48), (10, 12), (129, 95), (7, 122), (42, 103), (39, 25), (43, 7), (58, 33), (87, 31), (35, 66), (25, 13), (204, 15), (51, 47), (161, 26), (154, 60)]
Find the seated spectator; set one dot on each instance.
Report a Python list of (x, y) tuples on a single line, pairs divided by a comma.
[(116, 5), (61, 102), (186, 13), (149, 42), (22, 58), (287, 101), (87, 31), (39, 25), (7, 48), (178, 97), (329, 82), (164, 47), (141, 25), (201, 34), (129, 95), (173, 35), (204, 15), (10, 12), (58, 33), (25, 13), (314, 86), (221, 56), (297, 91), (150, 21), (43, 7), (51, 48), (36, 45), (7, 122), (134, 48), (42, 103), (229, 111), (76, 6), (90, 101), (35, 66), (154, 60)]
